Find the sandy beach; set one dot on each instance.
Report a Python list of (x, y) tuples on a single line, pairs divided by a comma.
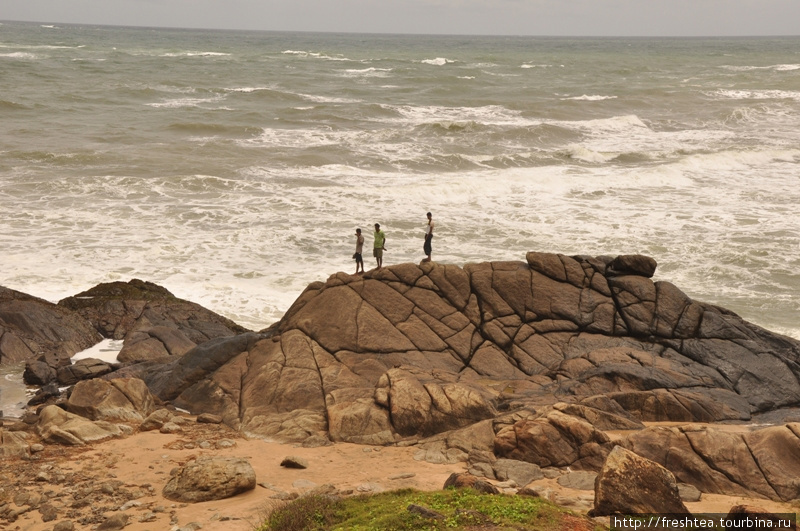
[(128, 474)]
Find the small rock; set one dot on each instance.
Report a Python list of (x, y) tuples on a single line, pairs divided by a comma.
[(170, 427), (579, 480), (689, 493), (225, 443), (36, 448), (208, 418), (114, 522), (64, 525), (425, 512), (407, 475), (304, 484), (292, 461)]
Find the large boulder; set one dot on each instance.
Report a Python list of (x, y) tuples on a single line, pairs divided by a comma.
[(61, 427), (119, 399), (630, 484), (34, 329), (210, 478)]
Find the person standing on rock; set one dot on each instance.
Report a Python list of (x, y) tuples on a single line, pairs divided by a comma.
[(379, 245), (428, 237), (359, 247)]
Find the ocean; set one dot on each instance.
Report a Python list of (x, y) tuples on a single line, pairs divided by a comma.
[(232, 168)]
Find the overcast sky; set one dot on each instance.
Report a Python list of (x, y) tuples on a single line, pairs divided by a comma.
[(493, 17)]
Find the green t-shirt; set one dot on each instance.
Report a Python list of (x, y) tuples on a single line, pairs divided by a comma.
[(380, 239)]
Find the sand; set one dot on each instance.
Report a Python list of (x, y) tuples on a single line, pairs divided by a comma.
[(139, 465)]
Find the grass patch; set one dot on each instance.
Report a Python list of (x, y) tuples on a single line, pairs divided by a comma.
[(459, 509)]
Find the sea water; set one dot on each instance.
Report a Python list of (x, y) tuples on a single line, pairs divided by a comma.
[(233, 168)]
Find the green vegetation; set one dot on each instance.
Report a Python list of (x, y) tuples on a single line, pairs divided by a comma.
[(458, 509)]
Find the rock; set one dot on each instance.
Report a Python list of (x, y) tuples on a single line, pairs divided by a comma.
[(520, 472), (294, 462), (38, 373), (689, 493), (114, 522), (424, 512), (632, 264), (61, 427), (120, 399), (751, 517), (210, 478), (13, 444), (464, 480), (44, 394), (119, 308), (630, 484), (155, 420), (763, 463), (543, 354), (555, 439), (209, 418), (580, 480), (84, 369), (64, 525), (170, 427), (537, 491), (34, 329)]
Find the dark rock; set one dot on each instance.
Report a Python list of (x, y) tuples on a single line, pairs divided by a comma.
[(630, 484), (425, 512), (632, 264), (84, 369), (44, 394), (34, 329), (751, 517), (38, 373), (294, 462), (120, 308)]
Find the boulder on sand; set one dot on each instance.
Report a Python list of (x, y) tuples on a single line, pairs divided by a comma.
[(630, 484), (210, 478)]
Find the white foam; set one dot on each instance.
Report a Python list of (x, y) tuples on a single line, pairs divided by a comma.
[(106, 350), (20, 55), (587, 97), (744, 94), (439, 61)]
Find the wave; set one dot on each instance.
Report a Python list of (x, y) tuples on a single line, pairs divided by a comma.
[(778, 68), (12, 106), (743, 94), (587, 97), (20, 55), (439, 61), (184, 102), (530, 65), (316, 55), (195, 54), (368, 72)]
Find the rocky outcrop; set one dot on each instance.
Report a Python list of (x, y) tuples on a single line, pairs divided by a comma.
[(210, 478), (32, 328), (764, 462), (152, 321), (573, 345), (629, 484)]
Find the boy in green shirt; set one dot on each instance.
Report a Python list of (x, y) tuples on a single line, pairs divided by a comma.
[(379, 246)]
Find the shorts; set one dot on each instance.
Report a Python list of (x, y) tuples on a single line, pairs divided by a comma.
[(358, 258), (426, 247), (377, 252)]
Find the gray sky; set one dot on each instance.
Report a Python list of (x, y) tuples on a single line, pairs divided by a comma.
[(498, 17)]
